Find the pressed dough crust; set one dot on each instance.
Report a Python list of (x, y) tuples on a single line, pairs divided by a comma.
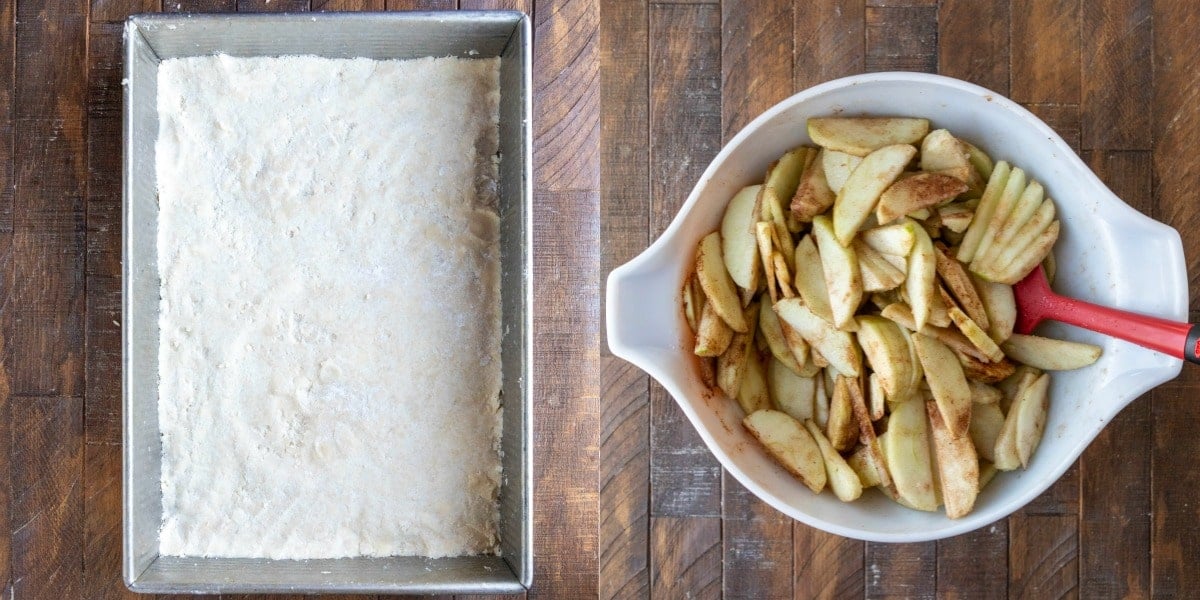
[(329, 352)]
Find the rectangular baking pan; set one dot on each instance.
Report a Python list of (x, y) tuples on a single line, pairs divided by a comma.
[(152, 38)]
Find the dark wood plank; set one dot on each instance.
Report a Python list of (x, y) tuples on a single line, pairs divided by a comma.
[(902, 39), (1061, 498), (7, 185), (566, 95), (525, 6), (115, 11), (973, 42), (1046, 51), (686, 555), (893, 3), (1043, 556), (756, 60), (1175, 539), (1119, 85), (1062, 118), (347, 5), (102, 523), (901, 570), (199, 6), (102, 406), (50, 166), (974, 565), (757, 546), (826, 565), (1176, 127), (566, 401), (829, 41), (272, 5), (685, 133), (624, 569), (47, 500), (422, 4), (1114, 523)]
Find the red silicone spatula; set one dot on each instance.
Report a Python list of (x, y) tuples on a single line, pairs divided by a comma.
[(1036, 302)]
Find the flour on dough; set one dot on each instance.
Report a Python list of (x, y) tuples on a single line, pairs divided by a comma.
[(330, 307)]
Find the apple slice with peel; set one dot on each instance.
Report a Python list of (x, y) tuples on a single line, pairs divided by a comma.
[(877, 273), (862, 135), (896, 239), (752, 394), (943, 153), (790, 444), (946, 381), (866, 184), (738, 244), (837, 346), (921, 278), (718, 286), (986, 422), (1000, 304), (959, 281), (887, 353), (772, 331), (713, 335), (783, 176), (809, 278), (983, 212), (923, 190), (1050, 354), (957, 463), (1031, 418), (976, 335), (1013, 189)]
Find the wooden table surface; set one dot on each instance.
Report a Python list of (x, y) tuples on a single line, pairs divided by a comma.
[(60, 176), (1117, 78)]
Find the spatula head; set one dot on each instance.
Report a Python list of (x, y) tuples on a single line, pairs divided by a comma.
[(1032, 294)]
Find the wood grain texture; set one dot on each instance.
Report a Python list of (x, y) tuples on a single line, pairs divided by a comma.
[(566, 95), (902, 39), (7, 187), (756, 545), (272, 5), (829, 41), (1175, 538), (1119, 85), (826, 565), (974, 565), (973, 42), (1062, 118), (347, 5), (525, 6), (115, 11), (199, 6), (1046, 43), (624, 561), (47, 497), (48, 217), (102, 523), (901, 570), (756, 60), (1043, 558), (686, 555), (422, 4), (685, 133)]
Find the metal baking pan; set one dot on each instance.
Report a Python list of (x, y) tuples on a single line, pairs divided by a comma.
[(152, 38)]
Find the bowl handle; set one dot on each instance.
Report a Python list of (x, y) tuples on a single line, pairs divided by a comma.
[(643, 313)]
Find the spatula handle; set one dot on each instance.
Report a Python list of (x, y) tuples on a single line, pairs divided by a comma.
[(1181, 340)]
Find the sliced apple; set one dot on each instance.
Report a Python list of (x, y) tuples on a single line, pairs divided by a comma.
[(922, 272), (738, 245), (1031, 418), (946, 381), (1013, 188), (959, 282), (896, 239), (837, 346), (1050, 354), (731, 365), (987, 472), (790, 392), (821, 401), (713, 335), (957, 464), (865, 465), (839, 266), (923, 190), (956, 216), (877, 273), (902, 315), (838, 167), (1005, 455), (693, 303), (1030, 200), (866, 184), (1001, 307), (790, 444), (862, 135), (983, 213), (906, 452), (983, 371), (982, 393), (887, 353), (866, 437), (717, 284), (805, 357), (1002, 255), (878, 397), (979, 159), (783, 176), (764, 235), (976, 335), (1029, 258), (986, 422), (943, 153), (809, 278), (842, 479), (771, 331), (842, 428), (813, 195), (752, 395)]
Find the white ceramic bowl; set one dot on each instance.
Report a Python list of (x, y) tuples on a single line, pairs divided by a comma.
[(1108, 253)]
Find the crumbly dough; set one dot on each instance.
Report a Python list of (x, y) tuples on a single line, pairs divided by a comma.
[(330, 307)]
